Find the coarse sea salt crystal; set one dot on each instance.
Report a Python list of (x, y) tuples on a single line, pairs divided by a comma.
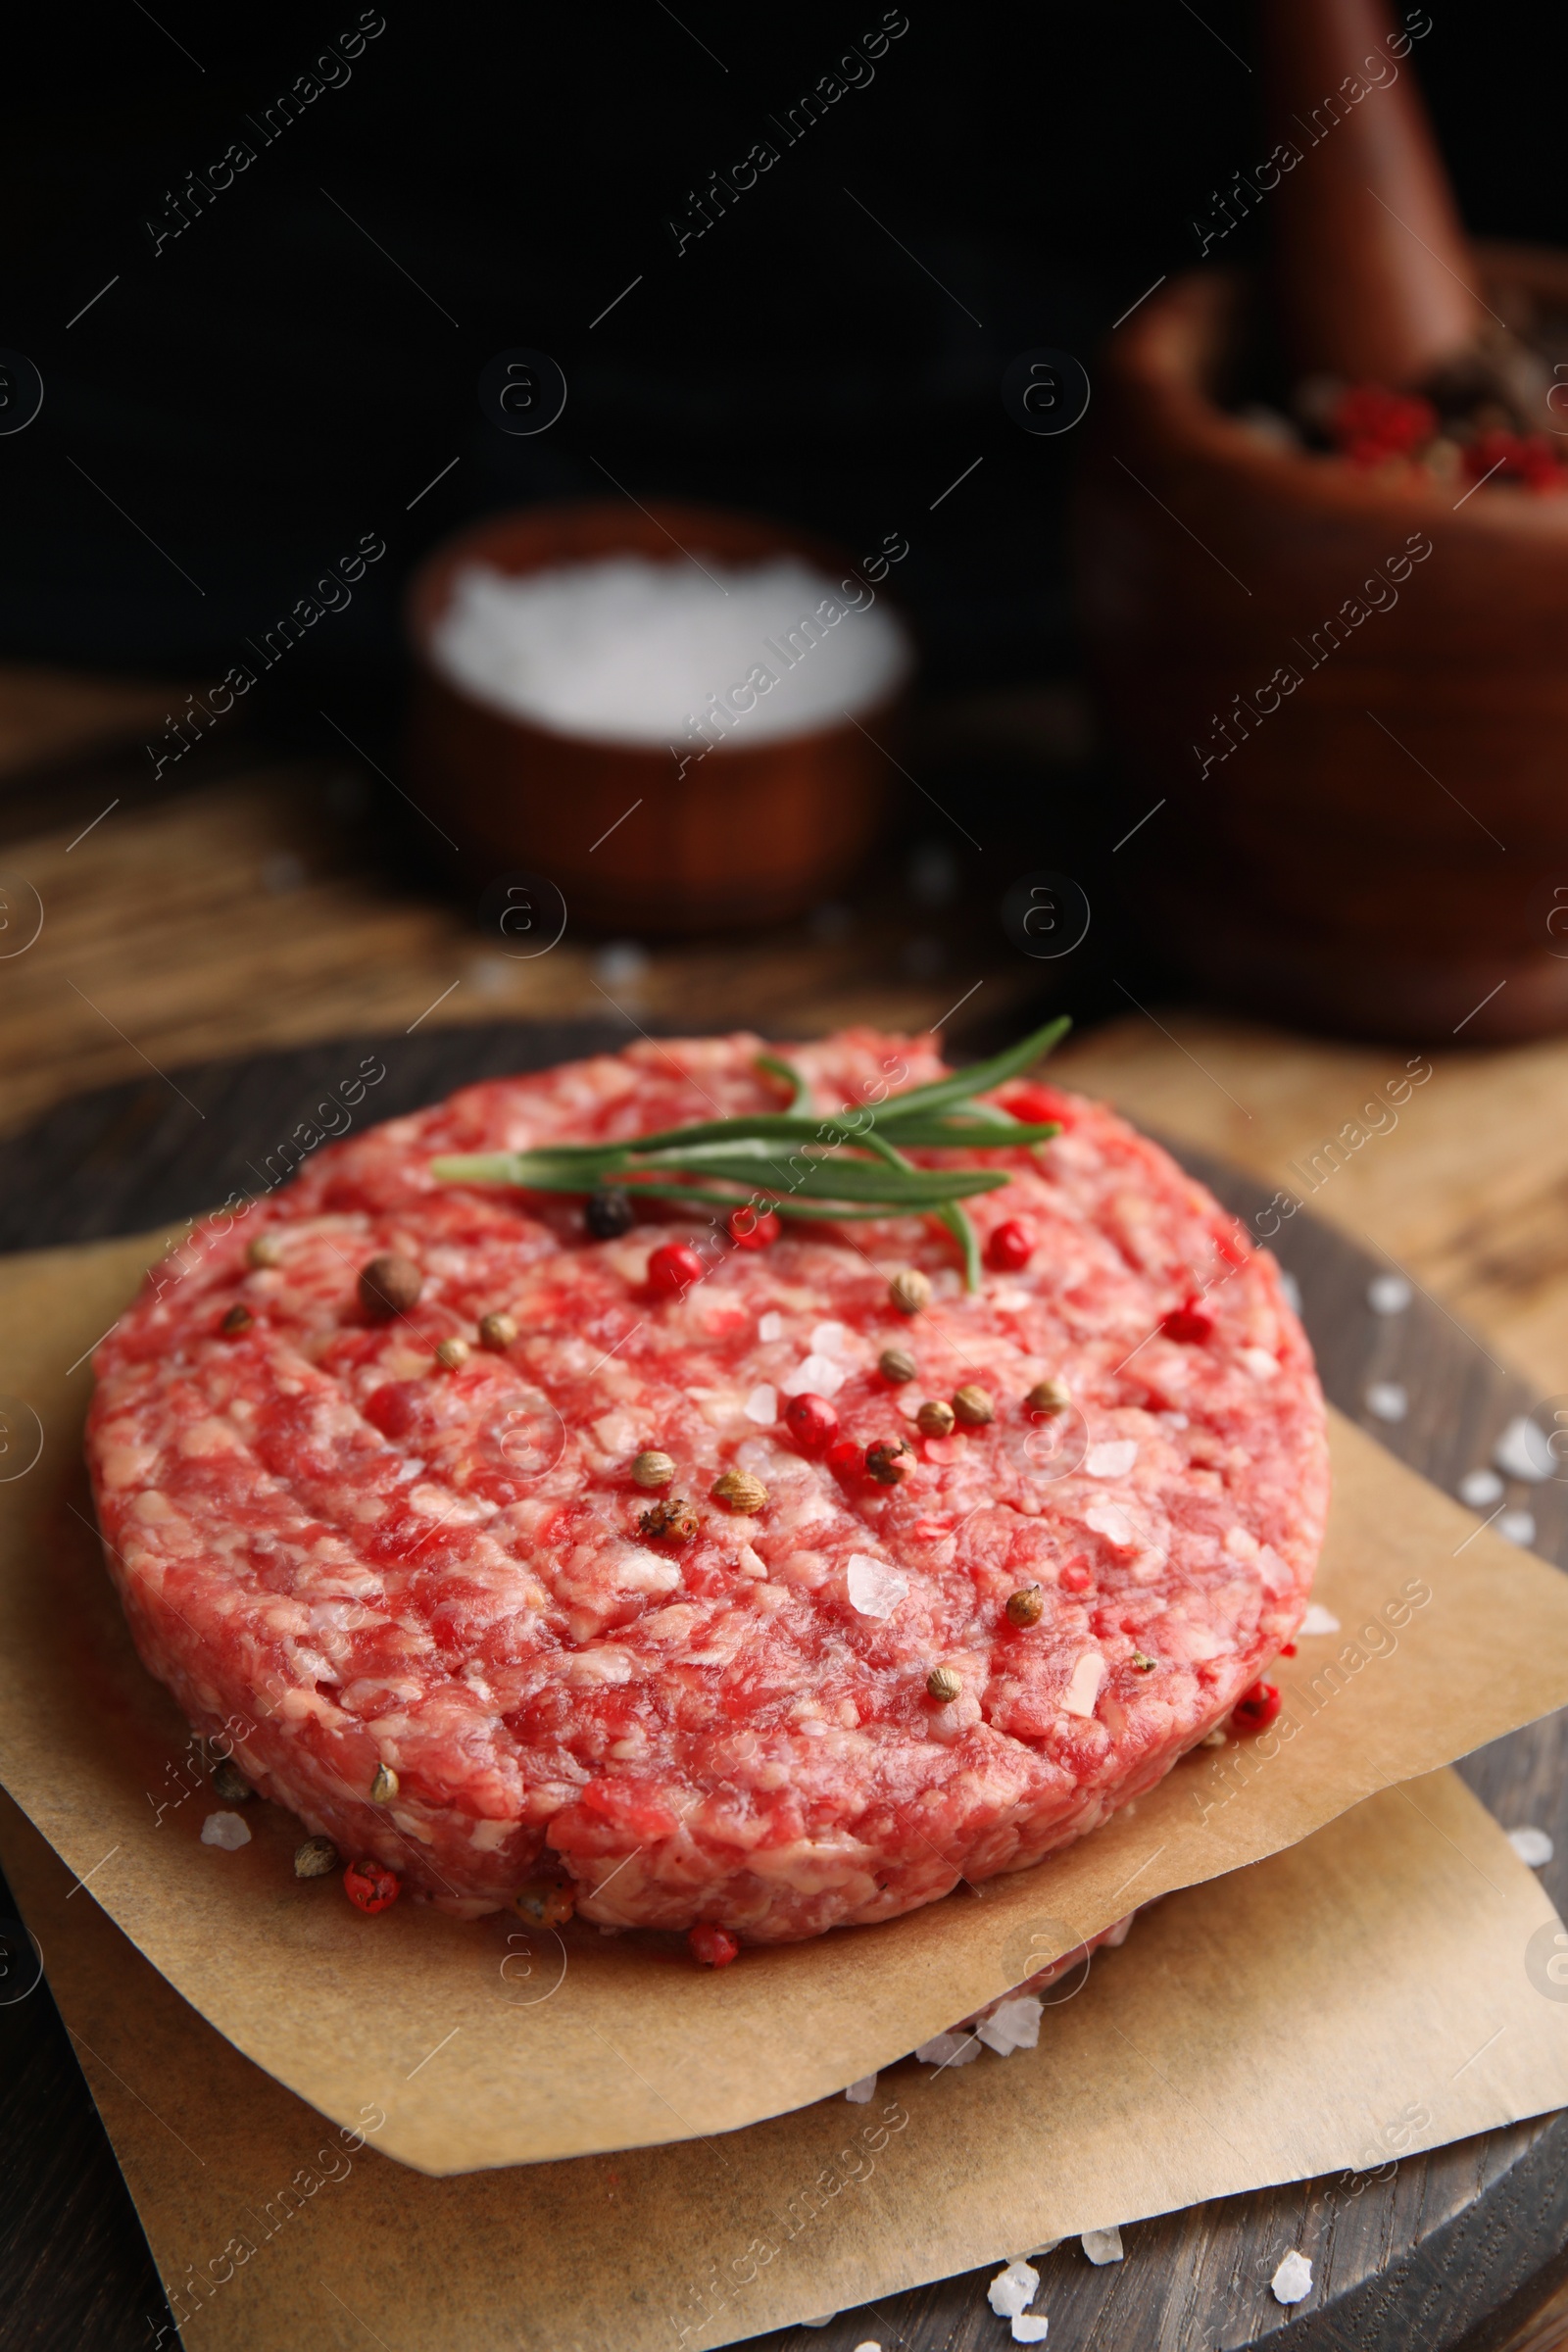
[(816, 1376), (1012, 2025), (1113, 1458), (1516, 1526), (859, 2093), (1389, 1294), (770, 1327), (1291, 2282), (1533, 1846), (1103, 2245), (1388, 1400), (1479, 1488), (1030, 2328), (831, 1339), (628, 650), (761, 1406), (949, 2049), (1014, 2289), (874, 1589), (1318, 1619), (1293, 1293), (1523, 1452), (227, 1830), (1083, 1685)]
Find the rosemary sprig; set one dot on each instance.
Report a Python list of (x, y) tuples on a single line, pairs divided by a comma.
[(849, 1164)]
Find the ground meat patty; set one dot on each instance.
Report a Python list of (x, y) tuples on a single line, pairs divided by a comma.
[(376, 1559)]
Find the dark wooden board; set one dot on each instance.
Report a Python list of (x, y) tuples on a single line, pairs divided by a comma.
[(1459, 2248)]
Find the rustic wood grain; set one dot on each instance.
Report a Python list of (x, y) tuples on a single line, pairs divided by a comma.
[(1438, 2251), (260, 911)]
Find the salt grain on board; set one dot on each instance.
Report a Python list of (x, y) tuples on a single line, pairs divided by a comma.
[(874, 1589), (1318, 1620), (1012, 2290), (1388, 1400), (1293, 1293), (1480, 1488), (1292, 2280), (1523, 1452), (1516, 1526), (1389, 1294), (1030, 2328), (1103, 2245), (227, 1830), (1533, 1846), (863, 2090)]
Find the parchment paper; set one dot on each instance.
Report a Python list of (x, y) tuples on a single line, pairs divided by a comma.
[(1376, 1990), (489, 2045)]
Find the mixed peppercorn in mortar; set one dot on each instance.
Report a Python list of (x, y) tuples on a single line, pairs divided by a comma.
[(750, 1575)]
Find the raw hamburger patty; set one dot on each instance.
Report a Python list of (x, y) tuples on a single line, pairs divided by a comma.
[(373, 1560)]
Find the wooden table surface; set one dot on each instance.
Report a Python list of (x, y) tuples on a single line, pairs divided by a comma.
[(254, 907)]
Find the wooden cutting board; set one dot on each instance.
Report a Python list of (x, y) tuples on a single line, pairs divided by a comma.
[(1459, 2247)]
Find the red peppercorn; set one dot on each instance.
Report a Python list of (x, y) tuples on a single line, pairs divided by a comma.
[(672, 1268), (1502, 457), (1011, 1246), (1541, 463), (1036, 1106), (1190, 1323), (1287, 1649), (370, 1886), (752, 1227), (811, 1422), (715, 1947), (844, 1457), (1370, 423), (1257, 1707)]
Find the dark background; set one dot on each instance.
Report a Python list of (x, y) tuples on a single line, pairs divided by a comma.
[(270, 386)]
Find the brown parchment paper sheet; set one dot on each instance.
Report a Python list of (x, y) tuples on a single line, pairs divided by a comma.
[(1367, 1991), (490, 2045)]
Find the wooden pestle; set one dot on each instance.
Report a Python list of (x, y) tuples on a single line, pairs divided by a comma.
[(1374, 279)]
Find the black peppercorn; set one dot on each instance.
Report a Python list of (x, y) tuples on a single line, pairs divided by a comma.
[(608, 1215)]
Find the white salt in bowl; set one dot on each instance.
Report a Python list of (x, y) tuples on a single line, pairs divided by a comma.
[(683, 719)]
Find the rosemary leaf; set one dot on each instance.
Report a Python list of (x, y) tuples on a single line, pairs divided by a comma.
[(848, 1165)]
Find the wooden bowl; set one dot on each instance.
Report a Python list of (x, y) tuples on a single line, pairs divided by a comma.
[(752, 833), (1374, 847)]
